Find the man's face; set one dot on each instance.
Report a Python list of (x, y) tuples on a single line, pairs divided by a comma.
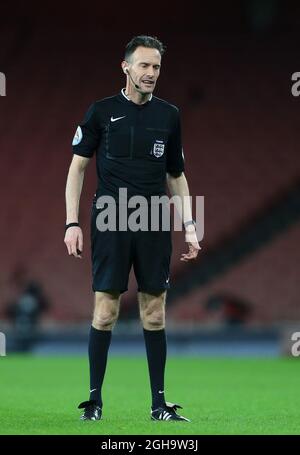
[(144, 67)]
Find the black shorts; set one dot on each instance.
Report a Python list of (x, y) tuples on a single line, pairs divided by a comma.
[(115, 252)]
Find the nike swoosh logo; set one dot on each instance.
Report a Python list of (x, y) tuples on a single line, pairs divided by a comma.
[(92, 390), (161, 391), (115, 119)]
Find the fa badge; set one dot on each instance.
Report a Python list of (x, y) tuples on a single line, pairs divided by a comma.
[(158, 148)]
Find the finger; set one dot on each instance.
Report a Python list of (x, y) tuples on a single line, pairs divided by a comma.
[(80, 242), (68, 248), (188, 257), (79, 251), (67, 244), (74, 249), (184, 258)]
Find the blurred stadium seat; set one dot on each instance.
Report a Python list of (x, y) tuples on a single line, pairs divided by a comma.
[(241, 136)]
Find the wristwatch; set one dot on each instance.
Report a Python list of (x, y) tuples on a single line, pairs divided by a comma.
[(187, 223)]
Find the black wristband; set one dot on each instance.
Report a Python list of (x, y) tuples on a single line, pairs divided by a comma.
[(71, 225)]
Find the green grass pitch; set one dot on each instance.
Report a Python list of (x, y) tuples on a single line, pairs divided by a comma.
[(39, 395)]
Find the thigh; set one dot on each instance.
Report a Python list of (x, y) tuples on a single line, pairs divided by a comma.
[(107, 302), (153, 301), (111, 253)]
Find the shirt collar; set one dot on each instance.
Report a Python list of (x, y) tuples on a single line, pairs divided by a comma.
[(126, 97)]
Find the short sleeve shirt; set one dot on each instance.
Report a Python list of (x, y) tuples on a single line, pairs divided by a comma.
[(135, 145)]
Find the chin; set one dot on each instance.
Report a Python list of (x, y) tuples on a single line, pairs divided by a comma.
[(148, 90)]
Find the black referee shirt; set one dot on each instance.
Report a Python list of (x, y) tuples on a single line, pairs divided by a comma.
[(135, 145)]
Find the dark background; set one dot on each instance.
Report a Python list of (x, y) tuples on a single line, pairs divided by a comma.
[(228, 67)]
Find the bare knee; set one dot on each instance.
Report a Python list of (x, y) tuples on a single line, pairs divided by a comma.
[(104, 320), (152, 311), (106, 310), (154, 320)]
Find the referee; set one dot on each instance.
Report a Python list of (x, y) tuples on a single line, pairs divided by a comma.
[(137, 140)]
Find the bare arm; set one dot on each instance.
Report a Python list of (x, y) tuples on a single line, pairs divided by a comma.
[(178, 186), (73, 237)]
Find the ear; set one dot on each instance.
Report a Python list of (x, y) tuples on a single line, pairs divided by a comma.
[(124, 67)]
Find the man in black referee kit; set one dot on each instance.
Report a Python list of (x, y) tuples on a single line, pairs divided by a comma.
[(137, 140)]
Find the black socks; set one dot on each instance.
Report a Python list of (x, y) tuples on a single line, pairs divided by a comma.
[(99, 341), (156, 348)]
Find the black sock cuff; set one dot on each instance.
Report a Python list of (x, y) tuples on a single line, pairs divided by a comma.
[(103, 334), (154, 333)]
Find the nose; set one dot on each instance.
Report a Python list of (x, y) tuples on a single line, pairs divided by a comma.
[(150, 72)]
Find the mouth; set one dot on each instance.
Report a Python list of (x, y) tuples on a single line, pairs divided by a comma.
[(148, 82)]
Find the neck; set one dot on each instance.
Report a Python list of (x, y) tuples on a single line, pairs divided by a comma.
[(135, 96)]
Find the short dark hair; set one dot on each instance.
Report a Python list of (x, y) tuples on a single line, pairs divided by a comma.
[(145, 41)]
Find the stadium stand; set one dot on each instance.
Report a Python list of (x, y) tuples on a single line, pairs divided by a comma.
[(241, 136)]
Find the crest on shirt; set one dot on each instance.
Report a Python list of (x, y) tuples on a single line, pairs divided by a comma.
[(158, 148), (77, 137)]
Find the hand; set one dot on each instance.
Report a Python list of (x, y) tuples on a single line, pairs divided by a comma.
[(191, 239), (74, 241)]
